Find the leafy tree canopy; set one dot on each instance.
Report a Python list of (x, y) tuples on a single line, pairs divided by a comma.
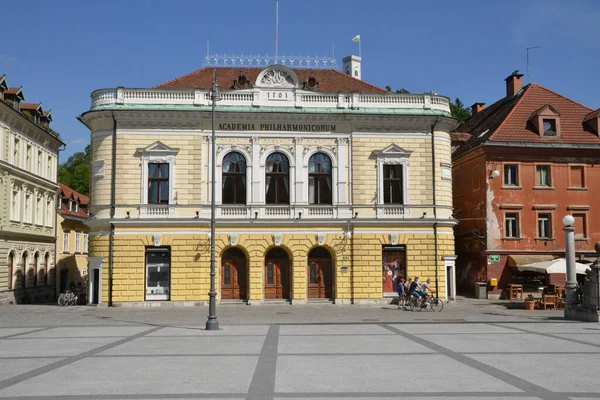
[(389, 89), (459, 111), (76, 171)]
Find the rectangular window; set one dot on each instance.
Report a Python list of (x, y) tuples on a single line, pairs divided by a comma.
[(28, 165), (70, 205), (511, 223), (580, 226), (38, 211), (86, 239), (544, 226), (76, 207), (576, 176), (77, 242), (511, 175), (39, 163), (158, 183), (66, 242), (49, 168), (158, 267), (27, 210), (16, 146), (49, 213), (14, 211), (549, 127), (393, 184), (542, 175)]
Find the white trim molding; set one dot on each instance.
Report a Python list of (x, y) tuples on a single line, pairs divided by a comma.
[(157, 152), (392, 155)]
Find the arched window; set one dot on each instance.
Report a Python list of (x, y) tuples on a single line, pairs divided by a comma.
[(36, 267), (234, 179), (319, 179), (277, 182), (46, 266)]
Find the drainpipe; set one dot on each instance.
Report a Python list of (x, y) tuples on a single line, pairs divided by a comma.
[(435, 224), (56, 294), (111, 243)]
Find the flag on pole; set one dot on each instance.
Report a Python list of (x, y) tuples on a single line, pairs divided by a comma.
[(356, 39)]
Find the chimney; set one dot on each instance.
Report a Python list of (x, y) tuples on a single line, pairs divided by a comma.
[(477, 107), (514, 83)]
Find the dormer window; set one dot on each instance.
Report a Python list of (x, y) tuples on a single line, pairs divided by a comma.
[(545, 121), (70, 205), (59, 202), (549, 127), (76, 207)]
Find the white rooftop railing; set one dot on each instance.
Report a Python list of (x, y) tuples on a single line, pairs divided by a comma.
[(258, 97)]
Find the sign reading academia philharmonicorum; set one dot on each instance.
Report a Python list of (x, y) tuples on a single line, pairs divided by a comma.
[(277, 127)]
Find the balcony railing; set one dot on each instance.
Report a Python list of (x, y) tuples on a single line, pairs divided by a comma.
[(157, 211), (252, 97)]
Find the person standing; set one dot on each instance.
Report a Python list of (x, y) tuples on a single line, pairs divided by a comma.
[(401, 293)]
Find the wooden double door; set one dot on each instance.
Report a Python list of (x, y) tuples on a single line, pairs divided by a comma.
[(319, 274), (277, 274), (234, 275)]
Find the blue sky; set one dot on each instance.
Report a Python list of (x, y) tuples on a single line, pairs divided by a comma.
[(60, 51)]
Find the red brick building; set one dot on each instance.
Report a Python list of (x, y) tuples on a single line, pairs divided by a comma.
[(520, 166)]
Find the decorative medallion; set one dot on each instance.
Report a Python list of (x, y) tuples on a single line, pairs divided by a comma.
[(157, 238), (233, 239), (277, 78), (394, 238), (277, 239)]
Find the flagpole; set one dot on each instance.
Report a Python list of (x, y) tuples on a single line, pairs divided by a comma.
[(276, 30)]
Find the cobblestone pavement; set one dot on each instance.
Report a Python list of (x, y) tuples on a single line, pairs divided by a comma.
[(473, 349)]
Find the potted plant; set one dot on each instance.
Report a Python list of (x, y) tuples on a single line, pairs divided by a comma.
[(529, 302)]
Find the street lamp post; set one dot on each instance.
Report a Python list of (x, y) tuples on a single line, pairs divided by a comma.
[(571, 284), (212, 323)]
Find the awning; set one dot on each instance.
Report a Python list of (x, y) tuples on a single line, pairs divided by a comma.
[(516, 260)]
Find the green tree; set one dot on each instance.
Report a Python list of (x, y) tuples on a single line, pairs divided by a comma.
[(76, 171), (389, 89), (459, 111)]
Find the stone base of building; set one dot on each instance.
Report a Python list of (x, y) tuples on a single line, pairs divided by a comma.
[(580, 313), (39, 295)]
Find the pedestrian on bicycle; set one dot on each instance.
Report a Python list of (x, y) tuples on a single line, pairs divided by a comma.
[(424, 288), (413, 289)]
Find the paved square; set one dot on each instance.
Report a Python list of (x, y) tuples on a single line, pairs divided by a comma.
[(296, 352)]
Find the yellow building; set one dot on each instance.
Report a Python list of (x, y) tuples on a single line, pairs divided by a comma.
[(73, 239), (325, 188)]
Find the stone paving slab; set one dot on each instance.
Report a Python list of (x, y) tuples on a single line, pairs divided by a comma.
[(514, 343), (380, 374), (14, 367), (153, 346), (49, 347), (451, 328), (141, 375), (14, 331), (591, 338), (357, 344), (565, 372), (85, 331), (323, 330), (227, 330)]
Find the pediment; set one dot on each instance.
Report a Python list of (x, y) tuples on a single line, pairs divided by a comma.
[(278, 76), (391, 151), (157, 148), (545, 111)]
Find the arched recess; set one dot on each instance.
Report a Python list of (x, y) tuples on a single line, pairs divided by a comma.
[(234, 274), (277, 280), (12, 267), (334, 172), (36, 268), (24, 269), (46, 267), (319, 274)]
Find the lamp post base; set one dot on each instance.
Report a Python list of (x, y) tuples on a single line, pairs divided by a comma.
[(212, 325)]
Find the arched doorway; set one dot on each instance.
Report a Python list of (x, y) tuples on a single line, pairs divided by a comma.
[(319, 274), (36, 268), (233, 275), (12, 259), (24, 270), (277, 274)]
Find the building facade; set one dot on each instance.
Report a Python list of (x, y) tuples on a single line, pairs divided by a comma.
[(519, 167), (327, 188), (28, 176), (73, 239)]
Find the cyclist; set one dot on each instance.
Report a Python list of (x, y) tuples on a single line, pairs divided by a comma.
[(413, 289), (424, 288)]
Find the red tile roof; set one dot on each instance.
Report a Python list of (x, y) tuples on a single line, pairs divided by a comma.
[(591, 115), (66, 192), (12, 90), (330, 81), (29, 106), (506, 120)]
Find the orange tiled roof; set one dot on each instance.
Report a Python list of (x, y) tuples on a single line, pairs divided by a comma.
[(30, 106), (13, 90), (69, 193), (506, 120), (591, 115), (330, 81)]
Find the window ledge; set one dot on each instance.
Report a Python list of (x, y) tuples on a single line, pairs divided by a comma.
[(513, 239), (511, 187), (543, 188), (541, 239), (583, 189), (582, 239)]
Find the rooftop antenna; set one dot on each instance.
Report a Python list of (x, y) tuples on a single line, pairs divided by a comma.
[(276, 31), (529, 48)]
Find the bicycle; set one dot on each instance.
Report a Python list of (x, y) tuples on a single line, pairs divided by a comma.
[(435, 304), (68, 298)]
